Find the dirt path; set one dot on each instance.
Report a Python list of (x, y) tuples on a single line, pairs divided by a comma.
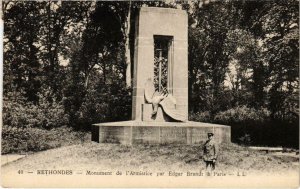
[(10, 158)]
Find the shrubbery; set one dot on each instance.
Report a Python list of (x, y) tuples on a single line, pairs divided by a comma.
[(107, 104), (238, 114), (27, 114), (200, 117), (243, 115), (251, 126), (33, 127), (21, 140), (98, 104), (49, 124)]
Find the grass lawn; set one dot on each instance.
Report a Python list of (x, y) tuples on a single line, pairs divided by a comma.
[(113, 157)]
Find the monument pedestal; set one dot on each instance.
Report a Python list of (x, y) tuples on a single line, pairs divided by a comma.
[(141, 132)]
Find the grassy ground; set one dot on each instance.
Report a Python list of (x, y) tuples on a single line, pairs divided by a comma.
[(94, 156)]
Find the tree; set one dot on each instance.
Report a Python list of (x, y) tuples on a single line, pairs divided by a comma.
[(60, 19), (247, 72), (21, 64), (42, 28), (277, 23), (208, 60)]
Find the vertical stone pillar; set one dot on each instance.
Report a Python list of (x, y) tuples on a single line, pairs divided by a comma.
[(165, 22)]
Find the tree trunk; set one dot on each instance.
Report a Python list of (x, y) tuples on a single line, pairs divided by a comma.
[(127, 48), (86, 80)]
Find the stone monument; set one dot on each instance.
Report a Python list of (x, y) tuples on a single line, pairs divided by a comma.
[(160, 86)]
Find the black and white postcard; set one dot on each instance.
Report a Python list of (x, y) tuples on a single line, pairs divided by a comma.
[(150, 94)]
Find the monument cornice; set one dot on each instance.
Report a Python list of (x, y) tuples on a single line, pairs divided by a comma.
[(163, 10)]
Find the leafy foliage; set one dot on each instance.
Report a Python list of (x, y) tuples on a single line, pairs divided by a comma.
[(247, 51), (242, 115), (250, 126), (43, 115), (66, 63), (24, 140)]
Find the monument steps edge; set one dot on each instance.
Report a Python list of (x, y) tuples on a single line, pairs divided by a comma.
[(136, 123)]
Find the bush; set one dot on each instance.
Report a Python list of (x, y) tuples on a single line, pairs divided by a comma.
[(112, 103), (242, 115), (251, 126), (21, 140), (246, 140), (200, 116), (26, 114)]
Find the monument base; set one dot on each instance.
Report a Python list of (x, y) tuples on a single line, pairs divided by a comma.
[(141, 132)]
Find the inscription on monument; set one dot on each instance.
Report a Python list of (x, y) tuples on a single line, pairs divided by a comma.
[(145, 134), (173, 134)]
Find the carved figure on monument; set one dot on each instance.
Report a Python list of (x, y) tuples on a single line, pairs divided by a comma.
[(166, 100)]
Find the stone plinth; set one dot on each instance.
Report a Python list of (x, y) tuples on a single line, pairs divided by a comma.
[(135, 132)]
